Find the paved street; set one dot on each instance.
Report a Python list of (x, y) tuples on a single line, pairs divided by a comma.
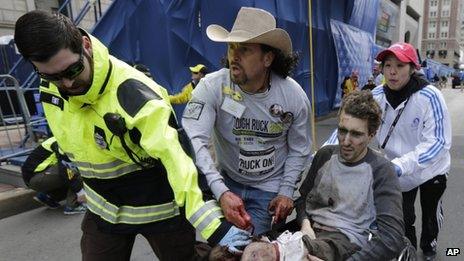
[(452, 234), (43, 234)]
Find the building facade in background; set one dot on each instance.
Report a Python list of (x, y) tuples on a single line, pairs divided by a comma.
[(399, 21), (461, 40), (11, 10), (442, 36)]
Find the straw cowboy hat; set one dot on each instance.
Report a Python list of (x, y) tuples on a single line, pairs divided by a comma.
[(252, 25)]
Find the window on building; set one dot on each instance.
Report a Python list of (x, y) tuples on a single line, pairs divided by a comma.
[(445, 13), (432, 24), (442, 53), (430, 46), (446, 2), (444, 34), (442, 45), (433, 14), (407, 37), (432, 30), (444, 23), (431, 35)]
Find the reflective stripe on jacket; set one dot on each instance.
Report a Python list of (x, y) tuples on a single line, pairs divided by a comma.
[(128, 214), (108, 170)]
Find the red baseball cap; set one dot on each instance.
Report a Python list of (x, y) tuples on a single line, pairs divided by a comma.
[(403, 51)]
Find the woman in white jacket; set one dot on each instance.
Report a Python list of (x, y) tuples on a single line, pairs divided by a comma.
[(416, 136)]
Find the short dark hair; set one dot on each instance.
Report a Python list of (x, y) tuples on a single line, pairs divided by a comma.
[(39, 35), (361, 105), (283, 65)]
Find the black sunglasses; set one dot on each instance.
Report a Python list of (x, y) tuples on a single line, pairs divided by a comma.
[(70, 73)]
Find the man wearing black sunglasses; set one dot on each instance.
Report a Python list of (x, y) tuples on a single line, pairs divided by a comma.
[(74, 79), (118, 128), (70, 73)]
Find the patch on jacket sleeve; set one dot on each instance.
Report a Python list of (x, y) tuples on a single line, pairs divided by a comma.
[(52, 99), (193, 110), (133, 94)]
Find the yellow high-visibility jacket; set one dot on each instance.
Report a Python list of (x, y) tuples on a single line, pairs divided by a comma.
[(184, 96), (350, 86), (123, 195)]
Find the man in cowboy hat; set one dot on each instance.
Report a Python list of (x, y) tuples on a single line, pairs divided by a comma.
[(260, 118), (198, 71)]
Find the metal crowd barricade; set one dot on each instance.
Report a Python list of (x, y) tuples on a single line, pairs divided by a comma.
[(15, 120)]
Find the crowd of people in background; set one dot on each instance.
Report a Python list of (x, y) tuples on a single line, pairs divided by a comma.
[(351, 82)]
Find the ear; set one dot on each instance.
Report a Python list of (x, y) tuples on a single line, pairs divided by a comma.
[(268, 59), (87, 44), (371, 136)]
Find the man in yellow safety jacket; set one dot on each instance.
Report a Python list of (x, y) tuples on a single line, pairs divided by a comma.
[(117, 126), (198, 71)]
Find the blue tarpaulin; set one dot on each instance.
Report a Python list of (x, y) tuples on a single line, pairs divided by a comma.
[(8, 55), (434, 67), (169, 36), (355, 52)]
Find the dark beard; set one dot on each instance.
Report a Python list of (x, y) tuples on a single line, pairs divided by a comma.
[(237, 81)]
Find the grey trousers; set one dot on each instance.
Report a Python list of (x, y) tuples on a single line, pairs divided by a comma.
[(330, 245)]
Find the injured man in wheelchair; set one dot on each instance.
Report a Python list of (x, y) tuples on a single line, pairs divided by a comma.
[(350, 206)]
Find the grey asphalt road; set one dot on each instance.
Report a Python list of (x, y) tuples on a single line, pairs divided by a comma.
[(47, 235), (452, 233)]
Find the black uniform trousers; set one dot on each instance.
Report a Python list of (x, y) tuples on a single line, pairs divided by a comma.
[(97, 245), (432, 212)]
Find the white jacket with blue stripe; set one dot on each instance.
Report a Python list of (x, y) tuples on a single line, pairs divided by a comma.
[(421, 140)]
